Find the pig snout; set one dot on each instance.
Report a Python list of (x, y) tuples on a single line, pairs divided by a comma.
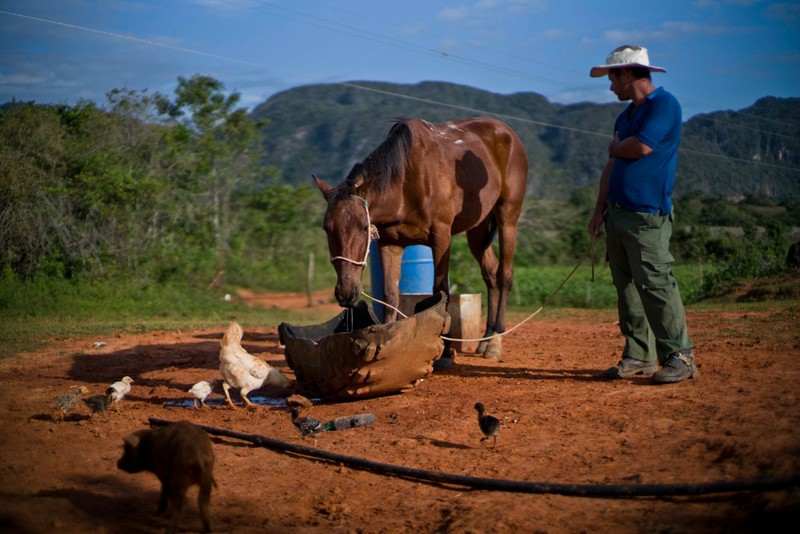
[(132, 460)]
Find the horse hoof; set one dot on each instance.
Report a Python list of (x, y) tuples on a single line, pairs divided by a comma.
[(481, 347), (494, 349)]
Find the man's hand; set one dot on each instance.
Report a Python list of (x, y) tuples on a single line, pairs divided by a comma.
[(611, 146), (595, 224)]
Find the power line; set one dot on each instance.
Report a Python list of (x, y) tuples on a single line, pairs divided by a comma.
[(467, 43), (471, 110), (447, 55), (135, 39), (391, 41), (550, 125)]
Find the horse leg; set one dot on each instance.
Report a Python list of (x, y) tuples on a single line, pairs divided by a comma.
[(391, 259), (440, 249), (492, 348), (479, 240), (505, 279)]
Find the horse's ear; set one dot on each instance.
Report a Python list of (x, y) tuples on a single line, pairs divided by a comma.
[(358, 180), (323, 186), (362, 187)]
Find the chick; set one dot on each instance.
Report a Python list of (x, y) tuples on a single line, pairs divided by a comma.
[(201, 390), (64, 403), (307, 426), (242, 370), (98, 403), (489, 425), (118, 390)]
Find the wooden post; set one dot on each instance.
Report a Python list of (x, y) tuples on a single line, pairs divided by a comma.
[(310, 279), (700, 268)]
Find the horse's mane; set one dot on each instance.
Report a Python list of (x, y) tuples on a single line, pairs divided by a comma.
[(384, 164)]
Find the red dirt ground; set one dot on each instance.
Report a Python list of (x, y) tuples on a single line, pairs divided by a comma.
[(561, 423)]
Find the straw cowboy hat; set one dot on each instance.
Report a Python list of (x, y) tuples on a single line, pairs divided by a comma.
[(625, 56)]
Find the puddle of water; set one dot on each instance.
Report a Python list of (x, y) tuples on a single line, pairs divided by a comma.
[(220, 401)]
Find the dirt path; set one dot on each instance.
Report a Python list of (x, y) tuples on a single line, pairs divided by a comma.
[(561, 423)]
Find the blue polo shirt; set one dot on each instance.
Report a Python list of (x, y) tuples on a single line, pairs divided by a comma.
[(646, 184)]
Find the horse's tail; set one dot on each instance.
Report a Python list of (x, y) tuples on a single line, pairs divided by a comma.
[(491, 231)]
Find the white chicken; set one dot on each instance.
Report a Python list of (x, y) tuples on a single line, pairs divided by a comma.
[(241, 370), (117, 391), (201, 390)]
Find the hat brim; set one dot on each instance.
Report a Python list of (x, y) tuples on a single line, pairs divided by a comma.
[(602, 70)]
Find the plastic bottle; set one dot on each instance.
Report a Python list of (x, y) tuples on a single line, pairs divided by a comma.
[(351, 421)]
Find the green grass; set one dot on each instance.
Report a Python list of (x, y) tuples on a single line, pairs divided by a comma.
[(33, 314), (534, 285)]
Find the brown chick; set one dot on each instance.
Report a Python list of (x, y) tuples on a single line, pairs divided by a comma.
[(98, 403), (64, 403), (489, 424), (240, 370)]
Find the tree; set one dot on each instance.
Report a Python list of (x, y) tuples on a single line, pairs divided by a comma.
[(32, 152), (225, 149)]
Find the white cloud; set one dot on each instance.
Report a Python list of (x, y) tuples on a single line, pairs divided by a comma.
[(632, 36), (449, 43), (555, 34), (599, 95), (668, 31), (706, 4), (743, 2), (20, 79), (417, 29), (223, 4), (677, 28), (452, 14), (478, 10)]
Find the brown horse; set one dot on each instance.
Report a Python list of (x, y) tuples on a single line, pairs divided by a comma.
[(424, 183)]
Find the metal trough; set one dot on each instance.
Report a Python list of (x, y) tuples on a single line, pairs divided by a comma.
[(354, 356)]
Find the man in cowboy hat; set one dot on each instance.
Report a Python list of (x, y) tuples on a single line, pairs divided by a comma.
[(635, 205)]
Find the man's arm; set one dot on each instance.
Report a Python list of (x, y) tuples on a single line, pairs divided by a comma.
[(628, 148), (602, 196)]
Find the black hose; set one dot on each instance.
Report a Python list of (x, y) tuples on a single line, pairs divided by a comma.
[(514, 486)]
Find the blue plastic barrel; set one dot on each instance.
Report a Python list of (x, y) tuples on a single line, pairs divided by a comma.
[(416, 270), (416, 273)]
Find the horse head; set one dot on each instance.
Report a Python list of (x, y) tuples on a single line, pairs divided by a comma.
[(347, 226)]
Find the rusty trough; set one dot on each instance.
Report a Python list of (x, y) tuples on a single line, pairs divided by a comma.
[(355, 356)]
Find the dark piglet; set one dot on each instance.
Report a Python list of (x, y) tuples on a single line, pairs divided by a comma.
[(180, 455)]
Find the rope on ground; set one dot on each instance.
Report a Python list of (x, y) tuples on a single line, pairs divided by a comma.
[(513, 486), (589, 250)]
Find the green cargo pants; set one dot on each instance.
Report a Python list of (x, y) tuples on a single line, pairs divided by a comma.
[(651, 315)]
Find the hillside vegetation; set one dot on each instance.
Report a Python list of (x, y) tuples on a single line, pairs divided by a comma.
[(324, 129), (155, 196)]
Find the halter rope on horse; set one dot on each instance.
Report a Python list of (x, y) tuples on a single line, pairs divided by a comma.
[(373, 234)]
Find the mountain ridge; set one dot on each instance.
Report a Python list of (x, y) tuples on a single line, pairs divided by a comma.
[(326, 128)]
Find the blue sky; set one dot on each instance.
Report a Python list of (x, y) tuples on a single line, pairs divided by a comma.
[(719, 54)]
